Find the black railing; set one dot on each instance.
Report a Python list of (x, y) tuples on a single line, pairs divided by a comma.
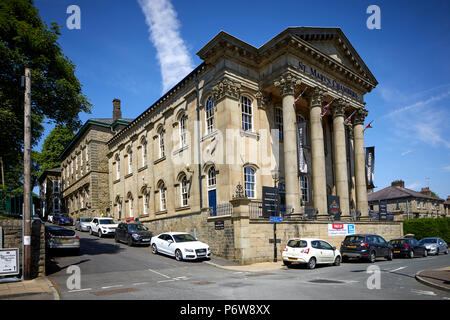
[(223, 209)]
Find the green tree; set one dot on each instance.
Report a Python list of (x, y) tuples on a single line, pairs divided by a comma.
[(53, 146), (27, 41)]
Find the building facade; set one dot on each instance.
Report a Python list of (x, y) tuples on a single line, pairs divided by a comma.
[(256, 111), (411, 204), (84, 166), (50, 193)]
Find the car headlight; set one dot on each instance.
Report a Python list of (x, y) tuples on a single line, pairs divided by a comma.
[(188, 250), (135, 236)]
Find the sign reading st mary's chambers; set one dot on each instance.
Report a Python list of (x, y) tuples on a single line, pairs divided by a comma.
[(328, 81)]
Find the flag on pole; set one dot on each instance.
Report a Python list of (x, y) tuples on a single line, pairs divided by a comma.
[(325, 109), (347, 121), (368, 126), (296, 100)]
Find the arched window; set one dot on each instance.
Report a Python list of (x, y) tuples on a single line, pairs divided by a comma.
[(146, 199), (247, 113), (144, 152), (184, 191), (212, 177), (209, 111), (162, 196), (183, 130), (161, 143), (130, 160), (117, 166), (130, 204), (250, 184)]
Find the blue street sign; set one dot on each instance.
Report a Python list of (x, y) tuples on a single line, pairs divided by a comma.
[(276, 219)]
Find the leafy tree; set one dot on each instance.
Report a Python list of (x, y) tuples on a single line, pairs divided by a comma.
[(53, 146), (56, 95)]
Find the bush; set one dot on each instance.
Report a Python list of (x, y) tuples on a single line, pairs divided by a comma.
[(428, 227)]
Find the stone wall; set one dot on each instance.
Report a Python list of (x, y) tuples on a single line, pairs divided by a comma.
[(246, 241), (12, 238)]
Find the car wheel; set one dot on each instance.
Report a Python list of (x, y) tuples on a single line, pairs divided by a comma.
[(129, 241), (311, 263), (178, 255), (337, 261), (154, 249), (116, 238), (99, 232), (437, 252), (372, 257), (411, 254), (390, 255), (446, 251), (425, 253), (90, 231)]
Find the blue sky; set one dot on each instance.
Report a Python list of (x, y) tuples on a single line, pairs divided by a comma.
[(115, 58)]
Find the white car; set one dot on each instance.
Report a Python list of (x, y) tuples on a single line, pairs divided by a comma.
[(310, 252), (180, 245), (102, 226)]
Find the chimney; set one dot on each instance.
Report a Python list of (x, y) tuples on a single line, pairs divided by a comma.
[(398, 183), (426, 191), (117, 113)]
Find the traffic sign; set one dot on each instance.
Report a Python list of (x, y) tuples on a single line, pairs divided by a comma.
[(276, 219)]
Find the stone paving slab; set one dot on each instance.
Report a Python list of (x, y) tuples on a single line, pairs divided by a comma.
[(26, 288), (437, 278)]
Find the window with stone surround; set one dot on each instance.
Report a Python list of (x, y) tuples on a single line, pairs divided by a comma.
[(183, 131), (117, 166), (162, 197), (184, 191), (250, 182), (304, 188), (279, 122), (209, 115), (212, 177), (161, 143), (247, 113)]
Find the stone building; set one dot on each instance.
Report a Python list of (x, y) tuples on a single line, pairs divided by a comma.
[(84, 166), (289, 113), (410, 203), (50, 192)]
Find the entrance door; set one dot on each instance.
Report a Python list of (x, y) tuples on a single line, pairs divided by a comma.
[(212, 201)]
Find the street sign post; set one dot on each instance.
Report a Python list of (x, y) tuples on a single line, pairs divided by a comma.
[(270, 201)]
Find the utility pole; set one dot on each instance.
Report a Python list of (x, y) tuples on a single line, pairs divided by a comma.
[(3, 174), (26, 268)]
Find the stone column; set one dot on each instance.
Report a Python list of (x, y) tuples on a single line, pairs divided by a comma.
[(319, 182), (340, 156), (351, 160), (287, 84), (360, 168)]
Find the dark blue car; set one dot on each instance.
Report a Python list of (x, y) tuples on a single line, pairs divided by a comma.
[(62, 220)]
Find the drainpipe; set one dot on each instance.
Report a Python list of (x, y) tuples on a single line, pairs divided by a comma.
[(198, 142)]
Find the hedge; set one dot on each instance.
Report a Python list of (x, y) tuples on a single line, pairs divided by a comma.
[(428, 227)]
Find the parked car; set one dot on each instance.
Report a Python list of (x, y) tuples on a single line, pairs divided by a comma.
[(182, 246), (82, 224), (310, 252), (102, 226), (61, 238), (434, 245), (365, 246), (62, 220), (133, 233), (408, 247)]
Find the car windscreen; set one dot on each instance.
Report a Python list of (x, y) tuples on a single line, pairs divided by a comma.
[(61, 232), (106, 221), (396, 242), (86, 219), (185, 237), (137, 227), (428, 241), (354, 239), (297, 243)]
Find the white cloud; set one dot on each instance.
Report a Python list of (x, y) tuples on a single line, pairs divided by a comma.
[(405, 153), (447, 168), (413, 186), (172, 53)]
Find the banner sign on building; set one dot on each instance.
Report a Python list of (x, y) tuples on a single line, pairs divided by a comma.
[(334, 205), (270, 200), (301, 141), (341, 229), (9, 262), (370, 166)]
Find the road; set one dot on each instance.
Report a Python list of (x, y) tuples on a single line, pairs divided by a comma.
[(116, 271)]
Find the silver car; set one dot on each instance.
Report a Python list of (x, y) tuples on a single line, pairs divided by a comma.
[(434, 245), (82, 224), (61, 238)]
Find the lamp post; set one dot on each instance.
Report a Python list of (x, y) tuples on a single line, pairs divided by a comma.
[(276, 178)]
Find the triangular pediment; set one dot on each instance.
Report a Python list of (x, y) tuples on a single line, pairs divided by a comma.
[(333, 43)]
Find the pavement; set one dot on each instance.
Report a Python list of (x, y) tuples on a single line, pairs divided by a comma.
[(436, 278), (255, 267), (36, 289)]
